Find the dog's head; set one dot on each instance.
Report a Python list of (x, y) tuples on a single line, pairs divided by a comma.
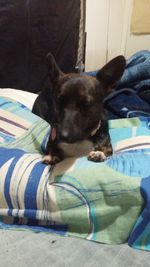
[(78, 98)]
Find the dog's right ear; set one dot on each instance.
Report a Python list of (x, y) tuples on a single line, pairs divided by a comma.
[(53, 69), (111, 73)]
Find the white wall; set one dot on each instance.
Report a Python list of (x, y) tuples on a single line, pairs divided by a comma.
[(108, 32)]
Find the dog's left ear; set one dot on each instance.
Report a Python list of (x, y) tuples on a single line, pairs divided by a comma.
[(111, 73), (54, 70)]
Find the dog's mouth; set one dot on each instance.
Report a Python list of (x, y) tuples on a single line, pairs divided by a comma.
[(70, 137)]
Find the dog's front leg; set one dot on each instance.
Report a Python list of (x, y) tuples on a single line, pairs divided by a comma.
[(101, 151), (102, 145), (53, 153)]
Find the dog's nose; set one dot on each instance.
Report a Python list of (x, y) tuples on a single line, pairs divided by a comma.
[(64, 135), (67, 136)]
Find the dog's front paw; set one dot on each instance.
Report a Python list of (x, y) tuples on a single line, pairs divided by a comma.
[(107, 150), (96, 156), (51, 160)]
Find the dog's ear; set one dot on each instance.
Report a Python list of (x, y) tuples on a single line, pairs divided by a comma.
[(111, 73), (53, 69)]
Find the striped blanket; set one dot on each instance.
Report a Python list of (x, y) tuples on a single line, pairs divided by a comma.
[(105, 202)]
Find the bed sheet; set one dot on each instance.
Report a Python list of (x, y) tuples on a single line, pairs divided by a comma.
[(104, 202)]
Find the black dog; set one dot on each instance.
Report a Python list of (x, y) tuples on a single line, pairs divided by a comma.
[(74, 108)]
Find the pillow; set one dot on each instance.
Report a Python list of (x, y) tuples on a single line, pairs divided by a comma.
[(101, 202), (24, 97)]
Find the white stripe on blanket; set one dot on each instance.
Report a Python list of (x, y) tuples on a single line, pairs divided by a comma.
[(3, 173), (138, 142)]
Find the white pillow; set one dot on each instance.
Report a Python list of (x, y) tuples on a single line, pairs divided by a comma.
[(24, 97)]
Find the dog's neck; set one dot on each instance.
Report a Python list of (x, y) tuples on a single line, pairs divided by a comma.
[(78, 149)]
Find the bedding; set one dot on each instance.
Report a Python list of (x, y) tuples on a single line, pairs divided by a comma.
[(104, 202), (24, 97), (132, 95)]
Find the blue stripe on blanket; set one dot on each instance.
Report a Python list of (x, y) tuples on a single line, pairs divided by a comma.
[(140, 237), (130, 163), (15, 155), (32, 225), (6, 138), (31, 188)]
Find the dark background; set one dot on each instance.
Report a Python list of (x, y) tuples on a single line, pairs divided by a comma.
[(29, 29)]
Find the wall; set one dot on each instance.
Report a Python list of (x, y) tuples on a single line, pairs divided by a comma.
[(108, 32)]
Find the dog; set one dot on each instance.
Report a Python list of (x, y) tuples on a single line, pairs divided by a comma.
[(74, 108)]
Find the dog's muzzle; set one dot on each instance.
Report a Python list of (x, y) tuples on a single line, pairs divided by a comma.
[(65, 136)]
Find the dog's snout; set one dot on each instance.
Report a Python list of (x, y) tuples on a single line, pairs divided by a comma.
[(64, 134), (69, 125), (68, 136)]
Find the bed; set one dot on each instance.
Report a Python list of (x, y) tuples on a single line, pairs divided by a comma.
[(103, 202)]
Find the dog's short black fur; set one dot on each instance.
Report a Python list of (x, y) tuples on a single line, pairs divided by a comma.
[(74, 108)]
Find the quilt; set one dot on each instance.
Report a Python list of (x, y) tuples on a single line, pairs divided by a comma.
[(105, 202)]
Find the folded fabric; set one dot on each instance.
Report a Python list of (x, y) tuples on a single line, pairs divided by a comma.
[(136, 77), (125, 103), (137, 72)]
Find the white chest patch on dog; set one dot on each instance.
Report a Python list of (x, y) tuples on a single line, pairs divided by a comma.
[(78, 149)]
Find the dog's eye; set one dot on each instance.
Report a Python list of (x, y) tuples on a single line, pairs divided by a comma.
[(61, 99), (87, 104)]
